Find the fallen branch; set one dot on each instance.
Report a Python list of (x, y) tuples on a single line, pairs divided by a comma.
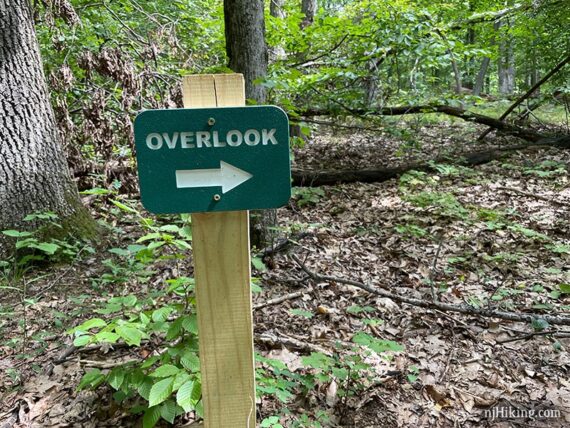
[(310, 178), (280, 299), (464, 309), (507, 128), (534, 196), (553, 333), (528, 93), (273, 339), (282, 245)]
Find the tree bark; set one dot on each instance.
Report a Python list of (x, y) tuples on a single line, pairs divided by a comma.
[(276, 8), (245, 43), (309, 9), (506, 68), (247, 51), (34, 175), (480, 80)]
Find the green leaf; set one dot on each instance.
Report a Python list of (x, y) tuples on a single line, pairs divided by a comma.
[(116, 377), (165, 371), (91, 379), (317, 360), (95, 191), (190, 361), (184, 396), (149, 236), (82, 340), (16, 233), (540, 324), (168, 410), (377, 345), (160, 391), (123, 206), (106, 337), (89, 324), (144, 388), (565, 288), (190, 324), (150, 361), (258, 264), (151, 417), (132, 336), (182, 245), (269, 422), (181, 379), (46, 247), (197, 391), (302, 313), (161, 314)]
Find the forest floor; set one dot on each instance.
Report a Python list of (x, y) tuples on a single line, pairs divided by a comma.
[(496, 235)]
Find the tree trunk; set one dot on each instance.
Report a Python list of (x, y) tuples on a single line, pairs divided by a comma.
[(276, 8), (479, 82), (309, 9), (34, 174), (506, 67), (247, 52), (245, 43), (276, 11)]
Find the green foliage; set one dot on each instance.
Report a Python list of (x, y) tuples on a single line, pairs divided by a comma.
[(307, 195), (38, 246), (167, 383), (445, 204)]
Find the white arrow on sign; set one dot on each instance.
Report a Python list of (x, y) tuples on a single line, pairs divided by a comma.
[(227, 176)]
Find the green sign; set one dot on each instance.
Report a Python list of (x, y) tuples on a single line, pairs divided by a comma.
[(213, 159)]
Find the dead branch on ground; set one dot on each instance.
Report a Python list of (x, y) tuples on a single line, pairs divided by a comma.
[(427, 304)]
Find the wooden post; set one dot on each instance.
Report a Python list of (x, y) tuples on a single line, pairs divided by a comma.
[(223, 295)]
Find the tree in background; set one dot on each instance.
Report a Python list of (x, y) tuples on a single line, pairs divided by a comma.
[(34, 175), (248, 54), (245, 43)]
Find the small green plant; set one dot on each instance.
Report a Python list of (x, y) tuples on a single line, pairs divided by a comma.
[(547, 168), (165, 384), (33, 246), (411, 230), (445, 204), (307, 195)]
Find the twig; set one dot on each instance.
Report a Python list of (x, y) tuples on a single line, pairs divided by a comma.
[(273, 339), (449, 357), (335, 47), (554, 333), (282, 244), (433, 271), (279, 300), (105, 364), (464, 309), (533, 195)]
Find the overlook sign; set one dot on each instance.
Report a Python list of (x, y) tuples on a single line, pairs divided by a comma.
[(213, 159)]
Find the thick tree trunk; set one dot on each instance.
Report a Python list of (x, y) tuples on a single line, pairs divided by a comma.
[(245, 43), (247, 51), (309, 9), (34, 175)]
